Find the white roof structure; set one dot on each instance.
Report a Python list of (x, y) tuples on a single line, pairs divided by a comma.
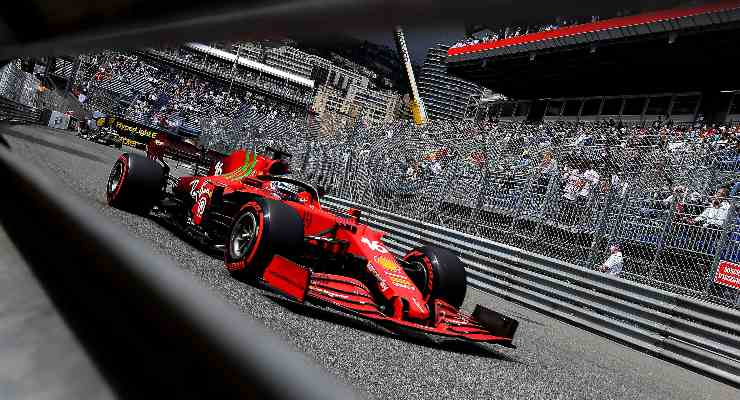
[(252, 64)]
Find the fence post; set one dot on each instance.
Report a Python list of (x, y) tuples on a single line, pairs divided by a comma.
[(615, 231), (599, 235), (729, 221), (519, 206), (661, 239), (549, 200), (713, 172), (480, 201)]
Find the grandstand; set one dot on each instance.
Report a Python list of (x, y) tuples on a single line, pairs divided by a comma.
[(679, 66), (176, 88)]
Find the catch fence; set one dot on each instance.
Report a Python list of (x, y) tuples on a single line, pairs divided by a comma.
[(493, 181), (25, 90)]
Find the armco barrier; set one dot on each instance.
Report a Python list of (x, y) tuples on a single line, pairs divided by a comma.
[(701, 336), (14, 111)]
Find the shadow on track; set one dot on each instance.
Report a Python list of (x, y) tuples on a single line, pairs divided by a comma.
[(337, 317), (47, 143), (185, 237)]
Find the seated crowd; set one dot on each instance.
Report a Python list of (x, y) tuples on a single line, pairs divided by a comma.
[(510, 32), (170, 97)]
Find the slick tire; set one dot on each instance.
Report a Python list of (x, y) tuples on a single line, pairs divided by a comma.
[(135, 183), (438, 273), (261, 229)]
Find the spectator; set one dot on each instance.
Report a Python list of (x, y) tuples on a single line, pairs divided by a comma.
[(735, 189), (678, 194), (547, 169), (523, 161), (714, 216), (572, 186), (589, 180), (584, 139), (615, 263)]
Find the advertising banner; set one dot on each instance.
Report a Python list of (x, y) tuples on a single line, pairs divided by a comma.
[(728, 274), (132, 133)]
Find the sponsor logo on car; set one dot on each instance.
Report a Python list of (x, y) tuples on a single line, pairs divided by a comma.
[(196, 192), (201, 206), (388, 263), (330, 294), (201, 191), (402, 282), (374, 245)]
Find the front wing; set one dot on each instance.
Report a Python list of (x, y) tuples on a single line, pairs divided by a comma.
[(352, 296)]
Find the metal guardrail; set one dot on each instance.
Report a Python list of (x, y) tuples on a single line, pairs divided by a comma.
[(699, 335), (147, 324), (12, 111)]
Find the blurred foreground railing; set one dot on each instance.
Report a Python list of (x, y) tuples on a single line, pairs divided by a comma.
[(148, 325)]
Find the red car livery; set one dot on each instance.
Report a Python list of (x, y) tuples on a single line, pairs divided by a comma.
[(273, 231)]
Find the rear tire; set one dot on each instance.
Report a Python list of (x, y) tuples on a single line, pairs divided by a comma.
[(261, 229), (135, 183), (442, 275)]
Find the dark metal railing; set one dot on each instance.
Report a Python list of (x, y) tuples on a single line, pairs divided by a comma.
[(148, 325)]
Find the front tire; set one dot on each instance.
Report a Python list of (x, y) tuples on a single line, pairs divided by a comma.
[(261, 229), (438, 273), (135, 183)]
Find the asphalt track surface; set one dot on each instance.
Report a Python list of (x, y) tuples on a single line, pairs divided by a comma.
[(553, 360)]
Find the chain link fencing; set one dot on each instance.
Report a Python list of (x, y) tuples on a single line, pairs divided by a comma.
[(510, 183), (23, 95)]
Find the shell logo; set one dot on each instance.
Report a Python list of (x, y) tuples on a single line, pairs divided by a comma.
[(387, 263), (402, 282)]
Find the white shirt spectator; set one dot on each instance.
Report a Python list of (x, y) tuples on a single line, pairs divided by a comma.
[(590, 180), (582, 139), (714, 215), (571, 187), (436, 168), (614, 264), (615, 180)]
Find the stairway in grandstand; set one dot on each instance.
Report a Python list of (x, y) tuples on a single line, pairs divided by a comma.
[(125, 85), (63, 68)]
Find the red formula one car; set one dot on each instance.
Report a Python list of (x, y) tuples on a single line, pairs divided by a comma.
[(273, 230)]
